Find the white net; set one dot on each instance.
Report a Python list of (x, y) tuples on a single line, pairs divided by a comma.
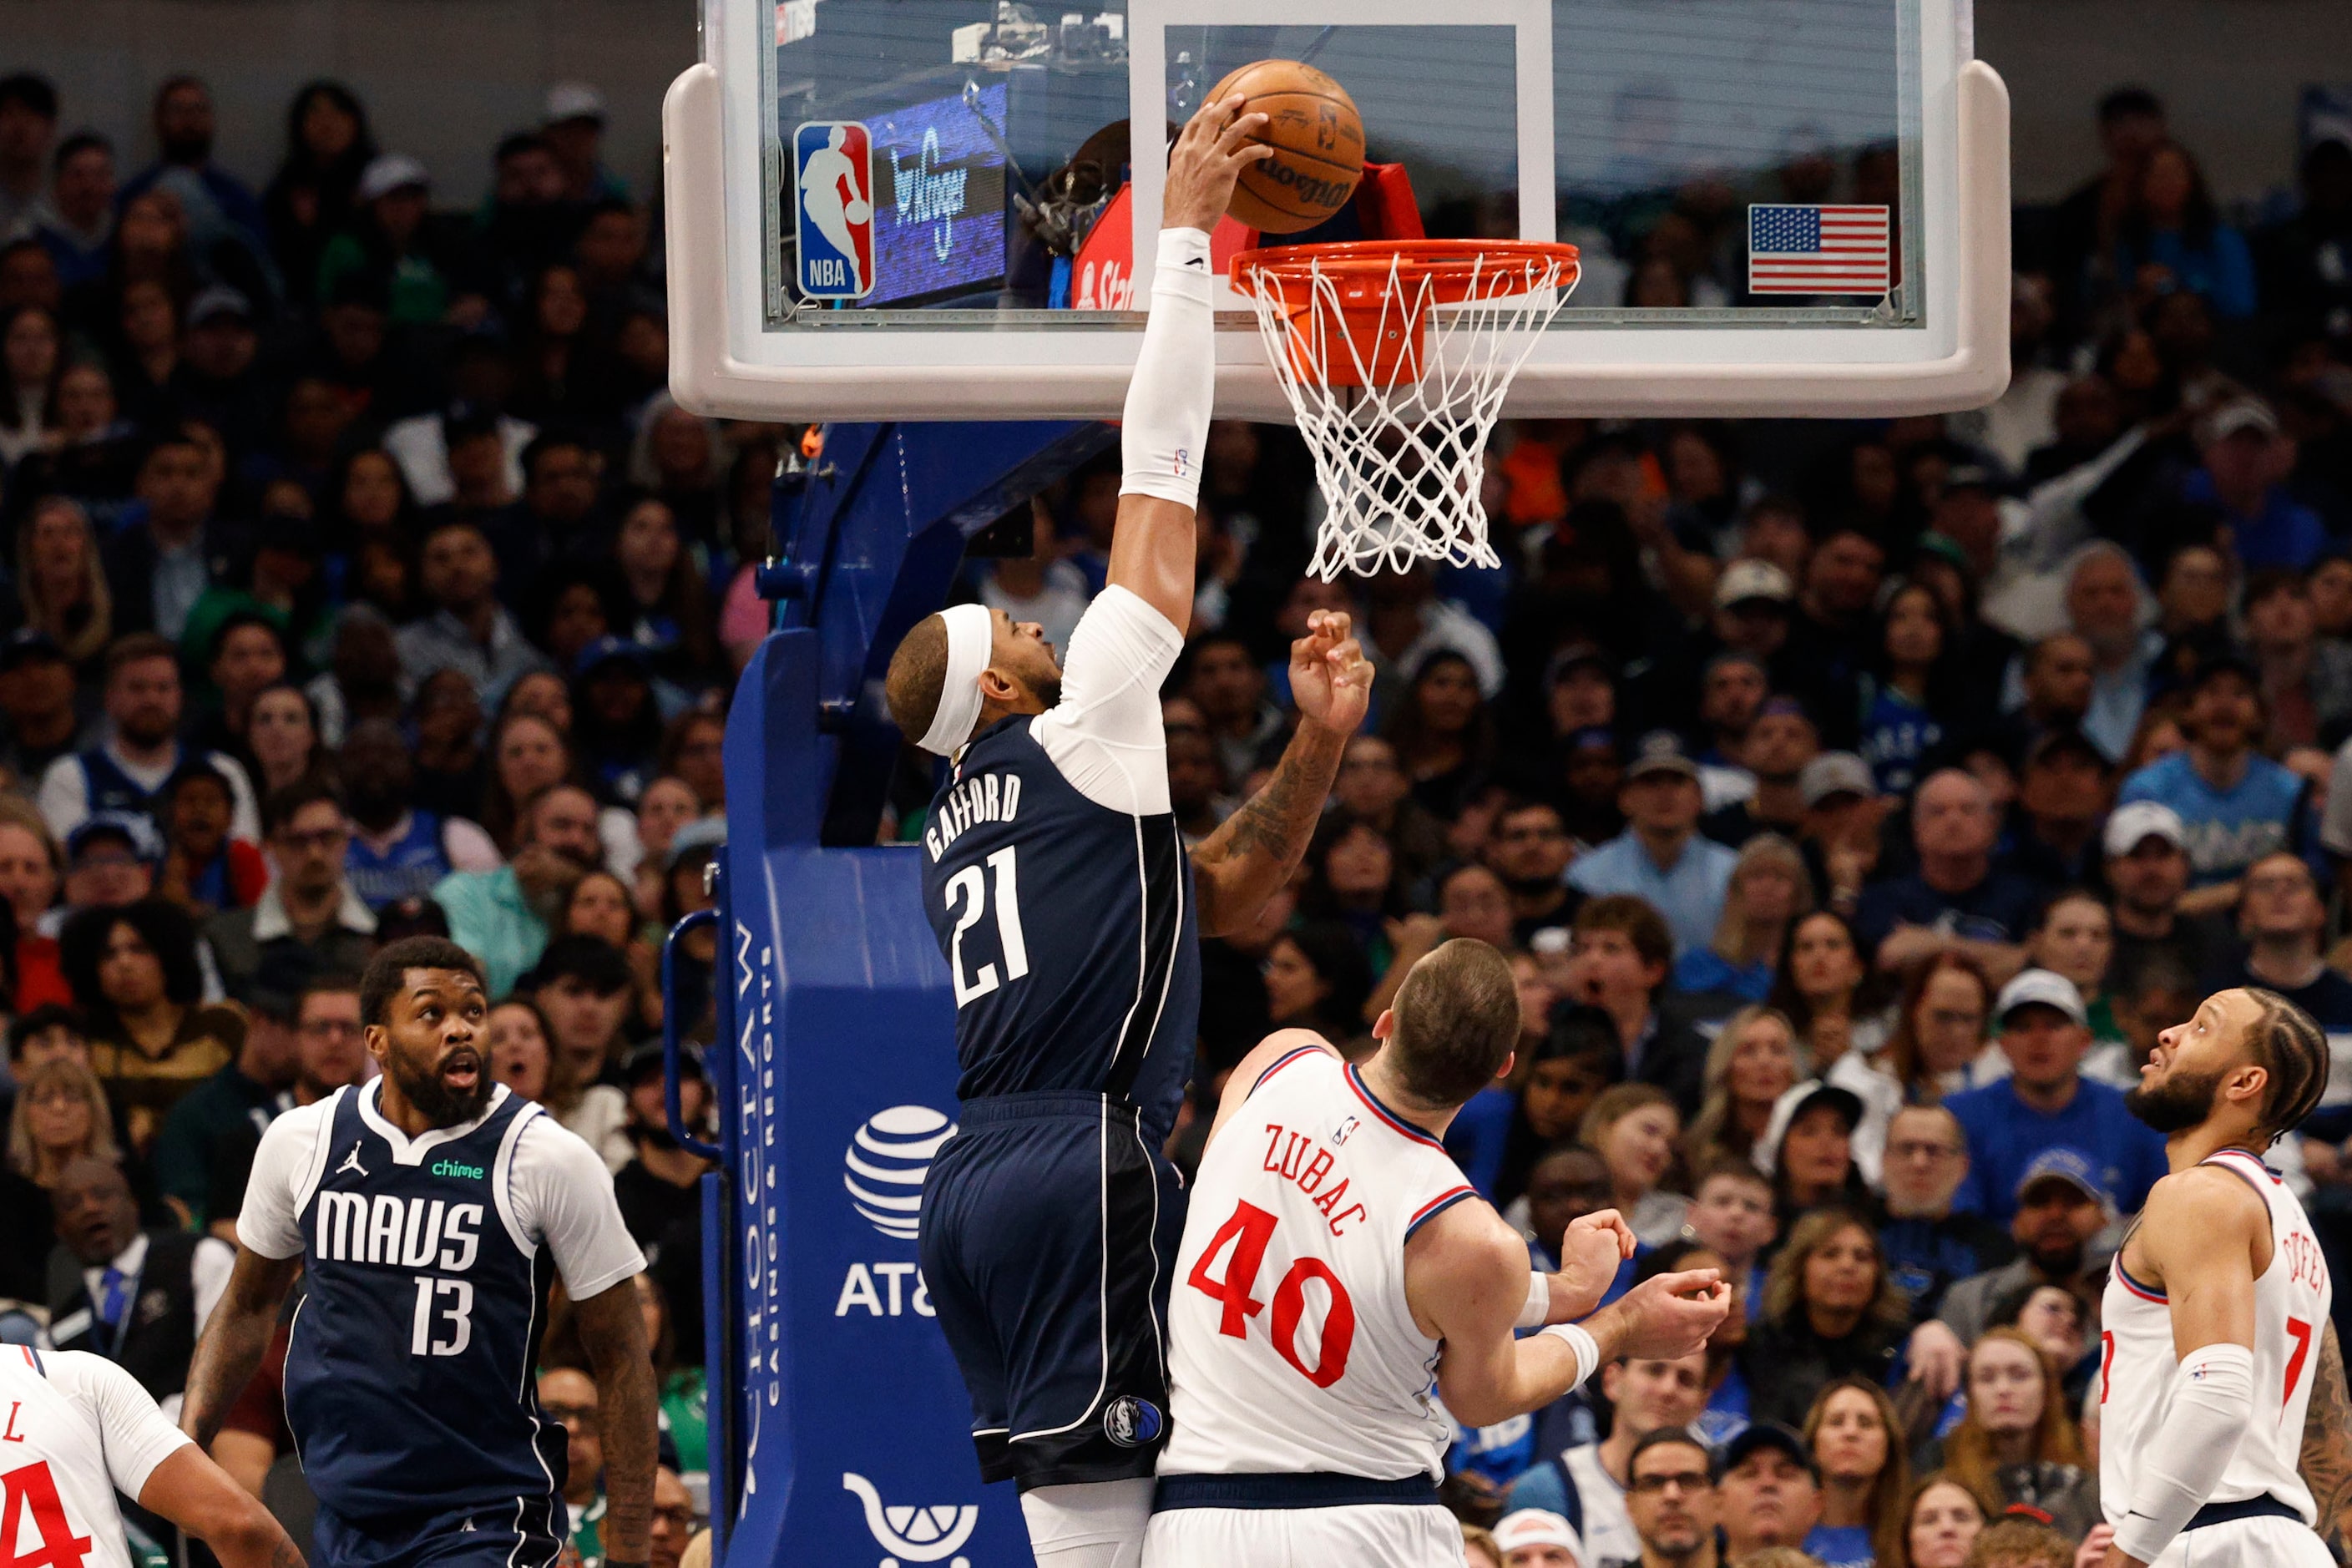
[(1402, 461)]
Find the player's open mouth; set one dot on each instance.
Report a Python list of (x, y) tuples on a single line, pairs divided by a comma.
[(462, 1070)]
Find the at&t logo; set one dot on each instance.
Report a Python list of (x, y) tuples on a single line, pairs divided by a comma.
[(886, 1161)]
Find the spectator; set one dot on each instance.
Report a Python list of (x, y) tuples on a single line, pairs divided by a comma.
[(1660, 857), (1352, 881), (282, 736), (1941, 1522), (1930, 1247), (1956, 900), (2056, 681), (328, 143), (1535, 1537), (582, 989), (331, 1047), (2045, 1103), (1617, 962), (528, 752), (235, 1104), (1823, 988), (1478, 1547), (28, 128), (1779, 744), (205, 870), (1768, 891), (140, 1298), (1371, 787), (2235, 804), (135, 974), (1856, 1439), (469, 631), (1913, 688), (78, 230), (38, 698), (519, 1055), (1586, 1484), (1671, 1499), (310, 905), (1634, 1128), (111, 861), (59, 1117), (184, 134), (126, 772), (2075, 940), (2061, 1208), (2148, 868), (2246, 459), (659, 1187), (1731, 1215), (2021, 1543), (1831, 1310), (1530, 851), (2280, 917), (1770, 1490), (398, 851), (159, 561), (599, 907), (1316, 978), (693, 750), (1444, 736), (1752, 1063), (2062, 797), (2307, 683), (1564, 1077), (667, 805), (671, 1523), (2170, 237), (2153, 998), (495, 914), (569, 1397), (2016, 1444), (1812, 1151), (1843, 813)]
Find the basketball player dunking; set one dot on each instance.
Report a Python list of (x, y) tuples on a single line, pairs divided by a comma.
[(1068, 910), (2214, 1313), (1334, 1257), (428, 1211)]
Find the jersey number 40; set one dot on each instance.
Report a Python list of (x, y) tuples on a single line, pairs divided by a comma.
[(967, 888), (1250, 1229)]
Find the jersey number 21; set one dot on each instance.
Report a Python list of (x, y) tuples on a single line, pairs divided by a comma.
[(967, 888)]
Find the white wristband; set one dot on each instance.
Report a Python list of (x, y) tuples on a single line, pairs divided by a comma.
[(1175, 387), (1532, 1315), (1587, 1348)]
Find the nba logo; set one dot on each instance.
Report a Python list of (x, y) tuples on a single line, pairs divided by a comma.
[(833, 178)]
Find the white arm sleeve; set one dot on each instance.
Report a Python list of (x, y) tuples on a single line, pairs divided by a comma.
[(563, 1194), (133, 1429), (284, 1168), (1105, 735), (2212, 1400), (1175, 387)]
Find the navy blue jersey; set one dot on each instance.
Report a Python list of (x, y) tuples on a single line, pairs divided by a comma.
[(411, 1366), (1068, 927)]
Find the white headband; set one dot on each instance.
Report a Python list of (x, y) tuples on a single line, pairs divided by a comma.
[(972, 637)]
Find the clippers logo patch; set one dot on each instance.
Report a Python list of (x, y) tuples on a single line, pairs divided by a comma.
[(833, 180)]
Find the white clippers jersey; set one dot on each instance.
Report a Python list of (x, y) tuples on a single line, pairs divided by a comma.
[(2137, 1364), (1291, 1349), (75, 1429)]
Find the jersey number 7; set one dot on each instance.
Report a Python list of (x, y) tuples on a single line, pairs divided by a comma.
[(967, 887), (1250, 1229)]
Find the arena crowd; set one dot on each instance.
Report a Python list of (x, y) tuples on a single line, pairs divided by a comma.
[(1855, 801)]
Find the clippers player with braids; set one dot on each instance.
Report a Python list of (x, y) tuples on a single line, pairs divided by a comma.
[(1068, 909), (2215, 1312), (1334, 1261)]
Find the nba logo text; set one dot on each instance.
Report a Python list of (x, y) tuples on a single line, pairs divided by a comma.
[(833, 203)]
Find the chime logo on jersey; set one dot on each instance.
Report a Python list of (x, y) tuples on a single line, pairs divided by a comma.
[(833, 185)]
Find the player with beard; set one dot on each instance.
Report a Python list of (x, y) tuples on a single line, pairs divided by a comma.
[(2214, 1313), (429, 1212)]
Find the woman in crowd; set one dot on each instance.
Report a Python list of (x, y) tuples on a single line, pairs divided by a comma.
[(667, 806), (368, 498), (1857, 1440), (327, 146), (601, 907), (1752, 1063), (1562, 1079), (1352, 880), (1827, 994), (1444, 736), (281, 737), (1940, 1522), (528, 755), (60, 1115), (694, 749), (2076, 939), (1912, 691), (32, 355), (135, 974), (1769, 893), (1316, 978), (520, 1057), (1813, 1149), (2171, 237), (61, 583), (668, 592), (2017, 1444), (1831, 1310), (30, 871), (1938, 1044), (1634, 1128)]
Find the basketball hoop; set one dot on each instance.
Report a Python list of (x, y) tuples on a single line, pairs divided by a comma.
[(1396, 356)]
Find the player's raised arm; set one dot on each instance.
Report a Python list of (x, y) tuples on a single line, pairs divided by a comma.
[(1166, 425), (2198, 1234), (1467, 1281)]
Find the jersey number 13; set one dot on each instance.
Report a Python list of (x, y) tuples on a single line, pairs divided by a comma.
[(968, 887)]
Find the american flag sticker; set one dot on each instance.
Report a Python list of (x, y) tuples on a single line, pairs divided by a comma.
[(1817, 250)]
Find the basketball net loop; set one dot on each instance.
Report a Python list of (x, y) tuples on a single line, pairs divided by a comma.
[(1395, 359)]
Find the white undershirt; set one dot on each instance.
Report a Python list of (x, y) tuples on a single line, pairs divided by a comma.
[(99, 1432), (1105, 735)]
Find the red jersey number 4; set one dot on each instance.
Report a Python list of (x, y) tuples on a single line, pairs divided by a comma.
[(1250, 1229), (44, 1540)]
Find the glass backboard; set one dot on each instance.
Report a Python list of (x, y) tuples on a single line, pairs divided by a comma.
[(933, 208)]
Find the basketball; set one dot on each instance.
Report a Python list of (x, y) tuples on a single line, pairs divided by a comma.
[(1317, 140)]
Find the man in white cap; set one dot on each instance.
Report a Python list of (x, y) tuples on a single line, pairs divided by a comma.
[(1067, 907), (574, 129), (2146, 849), (1536, 1538), (2046, 1103)]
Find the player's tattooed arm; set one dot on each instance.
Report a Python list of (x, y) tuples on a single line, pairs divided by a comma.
[(1240, 866), (612, 1330), (2326, 1461), (235, 1338)]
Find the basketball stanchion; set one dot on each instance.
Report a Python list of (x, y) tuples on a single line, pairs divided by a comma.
[(1395, 357)]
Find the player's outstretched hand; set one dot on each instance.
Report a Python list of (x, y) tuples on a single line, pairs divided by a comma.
[(1671, 1316), (1590, 1251), (1210, 154), (1330, 679)]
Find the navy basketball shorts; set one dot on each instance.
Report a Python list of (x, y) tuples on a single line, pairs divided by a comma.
[(520, 1533), (1049, 1234)]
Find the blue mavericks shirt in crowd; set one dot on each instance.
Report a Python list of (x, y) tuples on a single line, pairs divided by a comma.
[(2001, 909), (1476, 1139), (410, 1366), (1069, 931), (2228, 831), (406, 868), (1896, 734), (2005, 1134), (1841, 1546), (1703, 970)]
